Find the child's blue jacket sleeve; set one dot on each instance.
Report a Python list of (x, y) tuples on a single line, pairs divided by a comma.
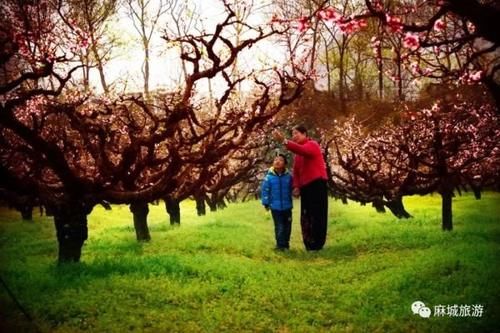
[(265, 192)]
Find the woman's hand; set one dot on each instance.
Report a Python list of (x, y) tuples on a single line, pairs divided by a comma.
[(296, 192)]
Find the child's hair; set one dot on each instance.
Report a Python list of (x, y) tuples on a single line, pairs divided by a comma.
[(282, 156), (301, 128)]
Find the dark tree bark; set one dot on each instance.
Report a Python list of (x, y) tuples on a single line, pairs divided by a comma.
[(401, 96), (221, 203), (140, 211), (26, 212), (200, 205), (342, 92), (212, 203), (49, 210), (396, 207), (484, 16), (477, 191), (106, 205), (446, 182), (173, 210), (70, 219), (100, 68), (447, 217), (379, 206)]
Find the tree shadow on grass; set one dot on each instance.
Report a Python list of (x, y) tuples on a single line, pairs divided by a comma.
[(75, 274), (349, 250)]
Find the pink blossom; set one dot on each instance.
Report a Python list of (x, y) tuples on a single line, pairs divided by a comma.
[(346, 28), (411, 41), (476, 76), (469, 78), (303, 24), (329, 14), (352, 26), (394, 23), (84, 42), (439, 25)]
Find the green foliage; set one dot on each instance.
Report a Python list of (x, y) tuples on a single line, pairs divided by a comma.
[(220, 273)]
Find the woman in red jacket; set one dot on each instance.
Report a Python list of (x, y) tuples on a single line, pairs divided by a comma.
[(309, 181)]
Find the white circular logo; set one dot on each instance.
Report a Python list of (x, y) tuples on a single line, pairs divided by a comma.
[(419, 308), (415, 307), (424, 312)]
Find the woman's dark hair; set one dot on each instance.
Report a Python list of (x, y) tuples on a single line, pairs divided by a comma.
[(301, 128), (282, 156)]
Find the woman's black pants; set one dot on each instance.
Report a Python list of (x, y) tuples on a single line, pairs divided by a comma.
[(314, 214)]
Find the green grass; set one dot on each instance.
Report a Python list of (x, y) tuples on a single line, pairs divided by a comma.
[(220, 273)]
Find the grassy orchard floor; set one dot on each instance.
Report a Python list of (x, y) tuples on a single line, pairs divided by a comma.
[(219, 272)]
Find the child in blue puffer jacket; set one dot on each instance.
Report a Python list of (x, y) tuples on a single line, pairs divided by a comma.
[(276, 194)]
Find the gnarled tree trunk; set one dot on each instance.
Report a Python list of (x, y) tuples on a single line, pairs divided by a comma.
[(396, 207), (379, 205), (200, 205), (446, 208), (477, 191), (212, 203), (140, 211), (221, 203), (173, 210), (26, 212), (70, 219)]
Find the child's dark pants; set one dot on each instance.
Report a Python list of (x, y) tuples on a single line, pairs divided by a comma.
[(282, 227)]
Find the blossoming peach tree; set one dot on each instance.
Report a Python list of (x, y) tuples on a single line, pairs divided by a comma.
[(449, 40), (447, 147), (75, 150)]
